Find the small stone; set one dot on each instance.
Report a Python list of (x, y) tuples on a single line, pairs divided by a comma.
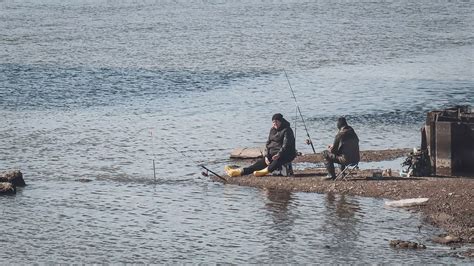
[(403, 245), (471, 238), (394, 243), (469, 253), (406, 244), (7, 188)]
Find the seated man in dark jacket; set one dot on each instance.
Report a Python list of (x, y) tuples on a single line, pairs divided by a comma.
[(280, 149), (345, 149)]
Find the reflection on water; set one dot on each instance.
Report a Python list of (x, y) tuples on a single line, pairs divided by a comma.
[(278, 209), (343, 208), (341, 221), (109, 222), (278, 204)]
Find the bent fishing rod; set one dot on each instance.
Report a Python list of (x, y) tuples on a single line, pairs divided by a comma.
[(299, 111), (200, 165)]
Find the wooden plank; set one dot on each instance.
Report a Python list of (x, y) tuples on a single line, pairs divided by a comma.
[(247, 153)]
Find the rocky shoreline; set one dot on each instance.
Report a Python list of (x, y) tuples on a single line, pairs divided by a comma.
[(450, 205), (365, 156)]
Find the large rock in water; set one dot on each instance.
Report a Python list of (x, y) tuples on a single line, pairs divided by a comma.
[(14, 177), (7, 188)]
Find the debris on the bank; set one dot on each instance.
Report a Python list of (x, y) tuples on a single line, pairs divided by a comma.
[(406, 244), (14, 177), (377, 175), (7, 188), (416, 164), (446, 239), (387, 172), (406, 202), (247, 153)]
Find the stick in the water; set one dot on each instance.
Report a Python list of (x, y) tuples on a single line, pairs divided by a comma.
[(153, 147), (299, 111), (154, 172)]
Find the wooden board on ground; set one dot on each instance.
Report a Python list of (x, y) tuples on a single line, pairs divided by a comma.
[(247, 153)]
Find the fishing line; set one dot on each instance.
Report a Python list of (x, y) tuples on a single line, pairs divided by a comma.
[(198, 164), (308, 141), (296, 120)]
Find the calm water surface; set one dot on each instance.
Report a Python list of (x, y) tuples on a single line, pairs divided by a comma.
[(97, 90), (199, 221)]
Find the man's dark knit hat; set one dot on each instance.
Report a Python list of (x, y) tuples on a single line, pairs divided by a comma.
[(341, 122), (278, 117)]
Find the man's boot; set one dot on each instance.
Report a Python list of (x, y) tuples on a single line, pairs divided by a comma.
[(262, 172), (331, 170), (233, 172)]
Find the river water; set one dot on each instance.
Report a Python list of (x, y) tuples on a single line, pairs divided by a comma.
[(97, 90)]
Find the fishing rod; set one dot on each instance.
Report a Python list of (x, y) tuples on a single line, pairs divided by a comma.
[(200, 165), (309, 141), (296, 120)]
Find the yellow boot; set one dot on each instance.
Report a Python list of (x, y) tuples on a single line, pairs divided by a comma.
[(262, 172), (233, 172)]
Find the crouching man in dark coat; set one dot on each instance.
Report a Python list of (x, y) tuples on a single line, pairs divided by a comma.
[(280, 149), (345, 149)]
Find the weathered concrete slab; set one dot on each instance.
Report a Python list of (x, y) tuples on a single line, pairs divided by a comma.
[(446, 239), (450, 141), (406, 202)]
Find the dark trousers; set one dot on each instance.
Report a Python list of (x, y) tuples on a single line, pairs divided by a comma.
[(261, 164), (330, 159)]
